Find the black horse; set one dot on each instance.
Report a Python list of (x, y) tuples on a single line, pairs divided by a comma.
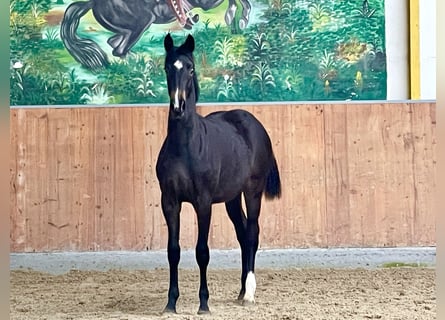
[(206, 160), (128, 19)]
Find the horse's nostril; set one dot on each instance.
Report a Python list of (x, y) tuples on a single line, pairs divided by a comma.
[(177, 107)]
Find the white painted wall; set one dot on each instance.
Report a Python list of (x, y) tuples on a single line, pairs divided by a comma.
[(397, 49), (427, 29)]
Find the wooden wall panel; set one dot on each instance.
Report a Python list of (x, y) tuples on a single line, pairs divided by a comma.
[(338, 215), (423, 123), (352, 175)]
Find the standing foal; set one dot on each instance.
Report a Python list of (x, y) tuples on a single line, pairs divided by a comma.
[(206, 160)]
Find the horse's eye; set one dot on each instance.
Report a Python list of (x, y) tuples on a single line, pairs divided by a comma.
[(192, 71)]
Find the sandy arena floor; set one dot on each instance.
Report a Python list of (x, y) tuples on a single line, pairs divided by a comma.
[(382, 293)]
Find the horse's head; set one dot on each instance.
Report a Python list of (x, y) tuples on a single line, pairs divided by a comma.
[(182, 82)]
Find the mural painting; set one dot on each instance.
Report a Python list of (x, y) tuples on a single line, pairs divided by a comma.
[(111, 51)]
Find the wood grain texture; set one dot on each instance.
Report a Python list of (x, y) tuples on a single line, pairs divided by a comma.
[(352, 174)]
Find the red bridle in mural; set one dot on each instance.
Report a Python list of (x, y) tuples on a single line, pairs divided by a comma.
[(182, 8)]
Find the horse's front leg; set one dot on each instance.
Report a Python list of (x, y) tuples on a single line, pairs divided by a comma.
[(204, 213), (244, 19), (230, 12), (171, 208)]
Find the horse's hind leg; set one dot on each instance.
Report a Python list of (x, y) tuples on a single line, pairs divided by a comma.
[(253, 204), (124, 40), (238, 218), (115, 40)]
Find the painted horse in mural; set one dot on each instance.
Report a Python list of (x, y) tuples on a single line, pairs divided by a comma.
[(128, 19), (206, 160)]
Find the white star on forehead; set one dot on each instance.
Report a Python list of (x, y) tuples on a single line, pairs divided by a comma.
[(178, 64)]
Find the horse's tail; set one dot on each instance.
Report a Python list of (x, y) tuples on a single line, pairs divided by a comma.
[(273, 182), (85, 51)]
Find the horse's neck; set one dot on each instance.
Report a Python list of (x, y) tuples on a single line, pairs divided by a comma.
[(182, 132)]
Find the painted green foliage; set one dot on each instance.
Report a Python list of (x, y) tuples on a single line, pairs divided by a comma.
[(290, 51)]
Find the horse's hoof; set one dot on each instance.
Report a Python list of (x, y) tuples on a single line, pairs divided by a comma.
[(203, 311), (241, 295), (247, 303), (242, 24), (119, 53), (169, 311)]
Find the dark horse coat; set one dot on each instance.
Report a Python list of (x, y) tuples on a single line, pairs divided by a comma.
[(211, 159)]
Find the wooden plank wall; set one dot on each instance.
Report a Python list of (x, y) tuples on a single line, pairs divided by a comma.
[(360, 175)]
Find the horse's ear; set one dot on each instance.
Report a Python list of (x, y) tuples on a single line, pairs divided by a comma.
[(189, 43), (168, 42)]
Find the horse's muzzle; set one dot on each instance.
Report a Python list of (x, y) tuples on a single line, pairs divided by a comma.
[(177, 108), (177, 102)]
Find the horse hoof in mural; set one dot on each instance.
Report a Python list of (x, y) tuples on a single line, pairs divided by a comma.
[(130, 19), (206, 160)]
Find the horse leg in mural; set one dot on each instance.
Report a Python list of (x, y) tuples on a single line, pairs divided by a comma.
[(230, 14), (127, 19), (127, 25), (244, 20), (231, 11)]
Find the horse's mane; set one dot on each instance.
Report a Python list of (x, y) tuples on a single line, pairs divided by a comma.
[(196, 84)]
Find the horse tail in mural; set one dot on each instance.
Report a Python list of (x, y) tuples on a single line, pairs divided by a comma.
[(85, 51)]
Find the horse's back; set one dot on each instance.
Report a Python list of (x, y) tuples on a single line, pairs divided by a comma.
[(242, 120), (247, 126), (133, 15)]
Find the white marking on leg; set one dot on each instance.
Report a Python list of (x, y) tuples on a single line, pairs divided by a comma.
[(178, 64), (249, 296)]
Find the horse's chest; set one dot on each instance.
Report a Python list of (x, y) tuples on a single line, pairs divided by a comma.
[(174, 178), (189, 176)]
